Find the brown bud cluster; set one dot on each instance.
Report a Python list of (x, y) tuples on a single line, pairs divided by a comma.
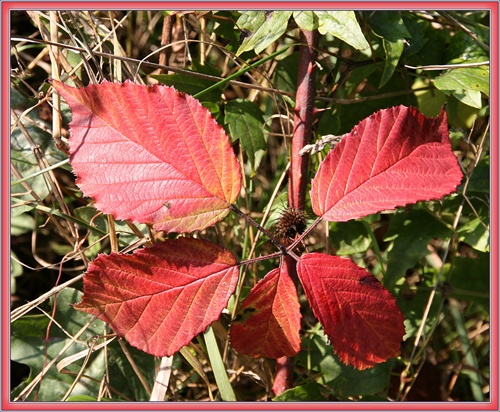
[(291, 223)]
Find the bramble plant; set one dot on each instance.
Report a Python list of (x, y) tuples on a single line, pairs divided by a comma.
[(156, 156), (152, 155)]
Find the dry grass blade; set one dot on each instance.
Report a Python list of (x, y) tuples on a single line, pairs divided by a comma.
[(162, 379)]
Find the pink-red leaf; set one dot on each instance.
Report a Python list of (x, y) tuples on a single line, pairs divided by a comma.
[(151, 154), (394, 157), (268, 321), (159, 298), (358, 314)]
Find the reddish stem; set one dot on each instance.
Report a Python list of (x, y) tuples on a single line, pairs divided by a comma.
[(304, 114), (298, 176), (283, 379)]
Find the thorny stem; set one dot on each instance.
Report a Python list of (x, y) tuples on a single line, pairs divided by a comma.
[(299, 169), (283, 378), (304, 115)]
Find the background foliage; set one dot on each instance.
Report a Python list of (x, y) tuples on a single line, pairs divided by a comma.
[(433, 256)]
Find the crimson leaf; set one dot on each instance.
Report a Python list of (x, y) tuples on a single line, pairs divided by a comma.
[(394, 157), (151, 154), (268, 321), (159, 298), (357, 313)]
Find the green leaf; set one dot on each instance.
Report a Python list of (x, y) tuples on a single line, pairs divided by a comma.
[(462, 46), (391, 28), (246, 123), (243, 70), (471, 366), (342, 24), (122, 375), (465, 84), (470, 279), (351, 114), (427, 45), (469, 97), (353, 382), (419, 31), (389, 25), (349, 238), (460, 115), (29, 346), (16, 98), (410, 232), (393, 52), (310, 392), (21, 224), (480, 179), (317, 355), (125, 234), (24, 159), (476, 233), (286, 73), (342, 380), (307, 20), (225, 29), (264, 27), (430, 101)]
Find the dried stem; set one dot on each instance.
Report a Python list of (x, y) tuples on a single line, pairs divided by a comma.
[(166, 39)]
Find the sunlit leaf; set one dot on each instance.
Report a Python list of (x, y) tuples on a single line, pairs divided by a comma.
[(342, 24), (358, 314), (151, 155), (467, 84), (394, 157), (262, 28), (161, 297), (268, 321)]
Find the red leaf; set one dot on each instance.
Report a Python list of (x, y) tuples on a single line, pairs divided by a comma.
[(394, 157), (357, 313), (268, 321), (159, 298), (151, 154)]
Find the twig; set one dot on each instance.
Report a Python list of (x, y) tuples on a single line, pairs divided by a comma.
[(166, 39), (448, 66), (273, 240)]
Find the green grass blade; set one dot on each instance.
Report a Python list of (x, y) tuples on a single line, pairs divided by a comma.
[(225, 388), (40, 172)]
